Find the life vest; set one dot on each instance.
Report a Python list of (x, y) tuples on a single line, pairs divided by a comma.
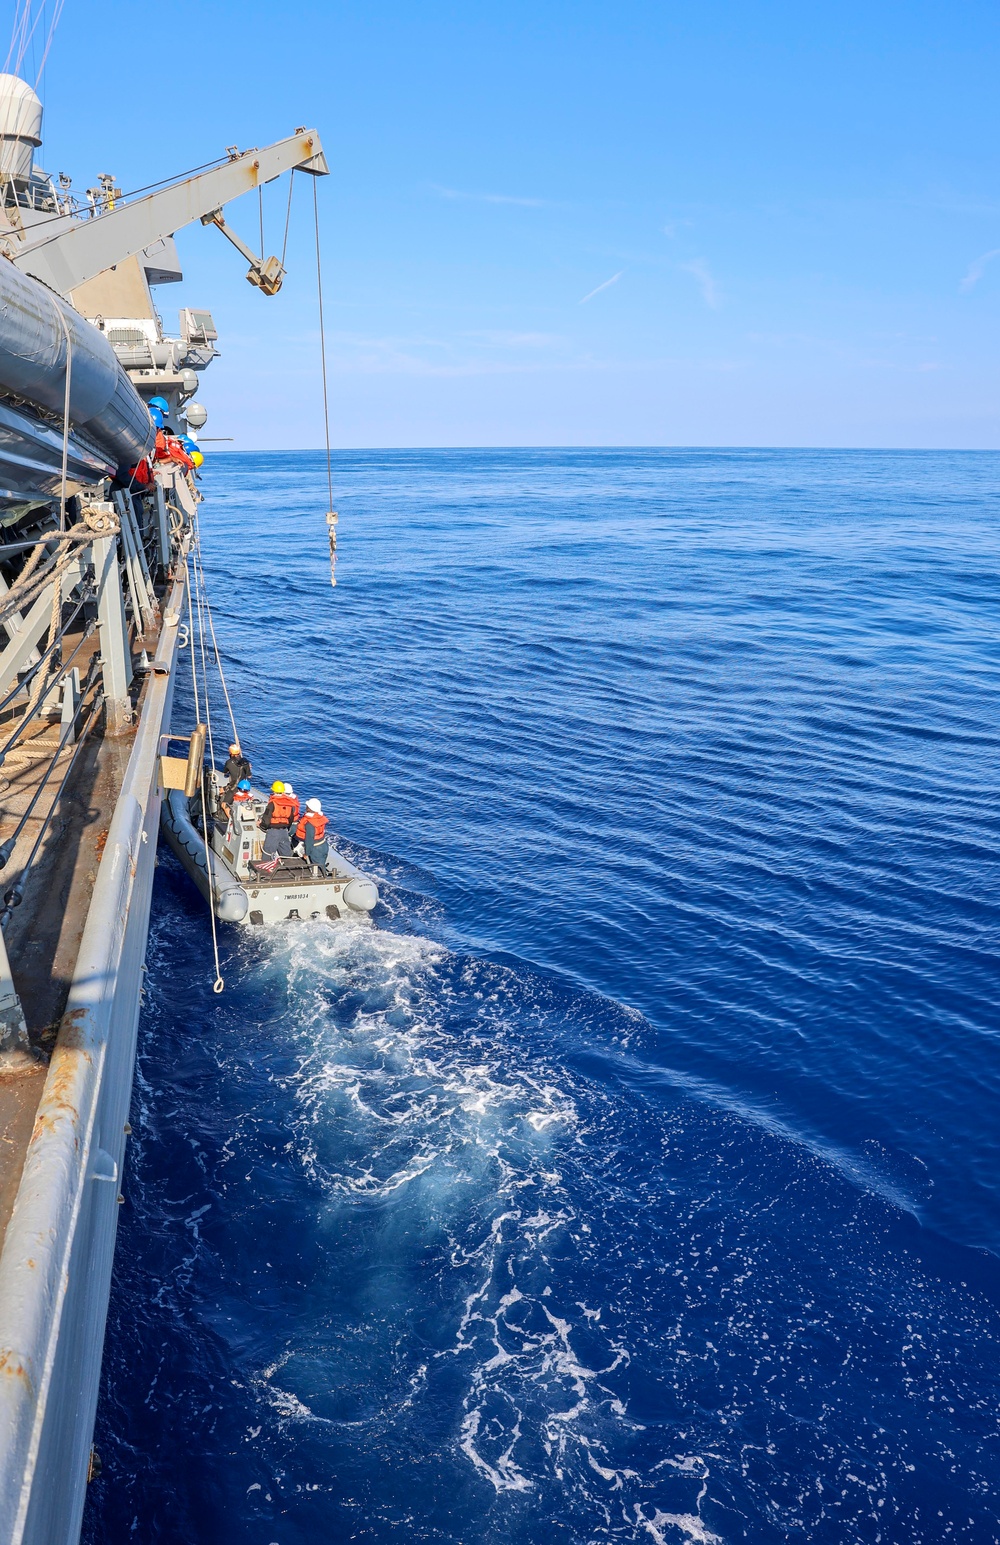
[(319, 823), (168, 448), (238, 798), (285, 810), (176, 452)]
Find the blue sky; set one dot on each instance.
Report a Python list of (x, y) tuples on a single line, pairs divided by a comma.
[(553, 223)]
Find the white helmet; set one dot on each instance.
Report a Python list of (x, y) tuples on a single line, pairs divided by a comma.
[(315, 806)]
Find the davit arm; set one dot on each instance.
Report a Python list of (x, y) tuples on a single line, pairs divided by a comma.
[(81, 249)]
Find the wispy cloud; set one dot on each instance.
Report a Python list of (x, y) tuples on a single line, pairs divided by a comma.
[(699, 270), (606, 285), (978, 268), (673, 226), (501, 339), (486, 198)]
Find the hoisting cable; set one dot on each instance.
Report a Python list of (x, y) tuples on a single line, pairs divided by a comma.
[(218, 984), (215, 645), (288, 216), (331, 514)]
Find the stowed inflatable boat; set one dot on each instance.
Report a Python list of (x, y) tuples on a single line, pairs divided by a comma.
[(242, 883)]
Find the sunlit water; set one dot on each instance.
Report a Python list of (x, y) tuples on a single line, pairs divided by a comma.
[(635, 1178)]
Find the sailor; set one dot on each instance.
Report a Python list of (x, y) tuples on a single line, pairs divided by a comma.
[(236, 767), (277, 813), (162, 407), (243, 793), (293, 818), (311, 831)]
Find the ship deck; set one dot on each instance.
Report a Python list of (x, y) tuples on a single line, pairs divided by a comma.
[(44, 933)]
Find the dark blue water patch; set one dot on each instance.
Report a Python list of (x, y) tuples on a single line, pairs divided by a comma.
[(636, 1177)]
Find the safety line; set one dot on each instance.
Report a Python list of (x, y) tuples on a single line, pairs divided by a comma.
[(218, 984)]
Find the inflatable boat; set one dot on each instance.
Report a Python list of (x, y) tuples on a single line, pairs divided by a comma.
[(243, 884)]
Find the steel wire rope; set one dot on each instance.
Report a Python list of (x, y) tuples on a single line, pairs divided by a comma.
[(322, 348), (288, 216), (162, 182), (218, 984), (27, 676), (35, 700), (56, 14)]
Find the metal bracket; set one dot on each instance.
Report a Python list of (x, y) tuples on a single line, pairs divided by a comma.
[(265, 273)]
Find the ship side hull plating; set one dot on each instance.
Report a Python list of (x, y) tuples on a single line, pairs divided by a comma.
[(55, 1269)]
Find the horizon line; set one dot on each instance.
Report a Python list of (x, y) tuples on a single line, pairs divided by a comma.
[(895, 450)]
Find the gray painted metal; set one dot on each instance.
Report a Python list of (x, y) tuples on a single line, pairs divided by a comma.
[(13, 1030), (67, 255), (162, 527), (116, 661), (55, 1269), (18, 652)]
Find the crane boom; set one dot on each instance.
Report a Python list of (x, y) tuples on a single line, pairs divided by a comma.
[(79, 250)]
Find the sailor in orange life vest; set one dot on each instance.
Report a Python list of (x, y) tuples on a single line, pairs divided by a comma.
[(311, 831), (293, 819), (276, 820)]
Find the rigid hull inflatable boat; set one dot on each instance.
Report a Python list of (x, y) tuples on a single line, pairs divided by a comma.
[(234, 874)]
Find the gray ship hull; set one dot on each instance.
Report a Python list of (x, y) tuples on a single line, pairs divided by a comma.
[(55, 1269)]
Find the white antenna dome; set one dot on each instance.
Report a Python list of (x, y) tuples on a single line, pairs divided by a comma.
[(20, 127)]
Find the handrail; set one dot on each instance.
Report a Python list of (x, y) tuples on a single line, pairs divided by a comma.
[(15, 894), (26, 719), (90, 595)]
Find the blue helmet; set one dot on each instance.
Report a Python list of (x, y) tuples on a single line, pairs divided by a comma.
[(156, 416), (188, 444), (161, 403), (244, 785)]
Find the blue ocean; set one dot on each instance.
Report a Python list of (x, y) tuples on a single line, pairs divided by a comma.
[(636, 1176)]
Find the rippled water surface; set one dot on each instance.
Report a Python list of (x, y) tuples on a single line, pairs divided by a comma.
[(636, 1177)]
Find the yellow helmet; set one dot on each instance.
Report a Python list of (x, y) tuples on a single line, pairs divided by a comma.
[(278, 788), (197, 458)]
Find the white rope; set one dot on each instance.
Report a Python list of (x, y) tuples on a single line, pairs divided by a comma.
[(218, 984), (200, 578), (41, 684), (215, 645), (65, 437), (194, 674)]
